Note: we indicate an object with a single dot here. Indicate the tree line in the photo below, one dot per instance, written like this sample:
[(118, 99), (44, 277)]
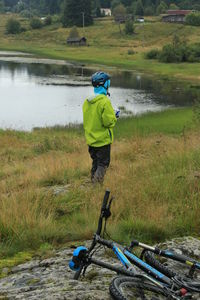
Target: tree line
[(56, 6), (82, 11)]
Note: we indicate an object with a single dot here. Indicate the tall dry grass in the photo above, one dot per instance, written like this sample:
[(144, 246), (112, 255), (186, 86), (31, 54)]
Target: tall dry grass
[(154, 177)]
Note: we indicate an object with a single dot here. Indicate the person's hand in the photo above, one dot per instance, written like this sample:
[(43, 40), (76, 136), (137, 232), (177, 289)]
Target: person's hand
[(117, 113)]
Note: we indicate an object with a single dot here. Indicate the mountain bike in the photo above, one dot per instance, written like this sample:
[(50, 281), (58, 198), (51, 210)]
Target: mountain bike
[(150, 284), (153, 254)]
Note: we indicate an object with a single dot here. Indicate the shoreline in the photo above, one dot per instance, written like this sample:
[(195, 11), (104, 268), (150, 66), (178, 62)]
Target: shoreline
[(44, 58)]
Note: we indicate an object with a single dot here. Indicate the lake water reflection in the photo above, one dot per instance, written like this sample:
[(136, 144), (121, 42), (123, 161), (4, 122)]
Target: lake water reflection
[(39, 95)]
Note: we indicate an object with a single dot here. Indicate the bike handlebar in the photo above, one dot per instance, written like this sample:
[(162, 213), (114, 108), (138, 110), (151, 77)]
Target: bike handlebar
[(100, 222), (103, 208), (105, 200)]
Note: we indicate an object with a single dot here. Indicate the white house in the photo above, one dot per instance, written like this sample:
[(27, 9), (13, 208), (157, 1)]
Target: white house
[(106, 11)]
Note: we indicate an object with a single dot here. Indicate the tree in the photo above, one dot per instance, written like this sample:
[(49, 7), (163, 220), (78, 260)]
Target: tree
[(139, 10), (96, 8), (193, 19), (129, 28), (149, 11), (74, 32), (98, 12), (126, 2), (119, 10), (162, 7), (114, 4), (77, 13), (1, 6), (105, 3), (119, 13), (36, 23), (173, 6), (48, 20)]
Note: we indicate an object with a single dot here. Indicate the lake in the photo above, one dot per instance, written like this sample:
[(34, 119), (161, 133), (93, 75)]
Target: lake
[(41, 93)]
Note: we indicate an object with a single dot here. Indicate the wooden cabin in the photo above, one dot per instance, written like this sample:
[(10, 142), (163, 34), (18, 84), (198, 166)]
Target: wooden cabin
[(78, 41), (176, 16)]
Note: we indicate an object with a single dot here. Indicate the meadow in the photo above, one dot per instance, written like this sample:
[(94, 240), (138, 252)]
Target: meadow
[(154, 176), (106, 45), (155, 167)]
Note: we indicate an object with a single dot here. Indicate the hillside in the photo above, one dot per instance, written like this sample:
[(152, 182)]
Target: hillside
[(106, 45)]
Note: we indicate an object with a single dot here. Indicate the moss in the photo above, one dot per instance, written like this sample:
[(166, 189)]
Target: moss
[(19, 258), (33, 281)]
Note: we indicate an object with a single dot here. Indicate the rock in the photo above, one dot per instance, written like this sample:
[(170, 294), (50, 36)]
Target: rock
[(51, 279)]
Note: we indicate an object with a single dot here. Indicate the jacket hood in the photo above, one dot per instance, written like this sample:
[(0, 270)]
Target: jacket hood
[(94, 98)]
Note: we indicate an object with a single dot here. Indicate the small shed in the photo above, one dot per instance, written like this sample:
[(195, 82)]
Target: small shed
[(176, 16), (78, 41), (123, 18)]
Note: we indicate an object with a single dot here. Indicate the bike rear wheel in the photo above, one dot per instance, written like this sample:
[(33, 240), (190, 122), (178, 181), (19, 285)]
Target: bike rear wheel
[(130, 288), (181, 278)]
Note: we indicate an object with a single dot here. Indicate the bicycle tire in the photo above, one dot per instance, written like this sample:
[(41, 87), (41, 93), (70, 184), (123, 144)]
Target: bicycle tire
[(152, 261), (182, 279), (130, 288)]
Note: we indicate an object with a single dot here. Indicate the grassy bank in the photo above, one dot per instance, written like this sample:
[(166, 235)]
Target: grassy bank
[(107, 46), (154, 176)]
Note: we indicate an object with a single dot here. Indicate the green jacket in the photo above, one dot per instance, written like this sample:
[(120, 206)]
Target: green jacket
[(98, 120)]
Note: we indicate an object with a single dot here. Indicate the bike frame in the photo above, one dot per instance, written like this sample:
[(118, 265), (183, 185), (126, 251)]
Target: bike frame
[(127, 259), (193, 264)]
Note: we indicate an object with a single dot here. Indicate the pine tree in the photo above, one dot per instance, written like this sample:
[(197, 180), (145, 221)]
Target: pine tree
[(139, 11), (1, 6), (77, 13)]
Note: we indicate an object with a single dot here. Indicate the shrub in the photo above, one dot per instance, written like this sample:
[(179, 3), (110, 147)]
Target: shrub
[(131, 52), (13, 26), (36, 23), (169, 54), (129, 28), (26, 13), (152, 54), (73, 32), (56, 19), (180, 53), (193, 19), (48, 21), (177, 51)]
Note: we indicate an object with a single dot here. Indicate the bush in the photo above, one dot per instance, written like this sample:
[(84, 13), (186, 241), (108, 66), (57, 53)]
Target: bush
[(131, 52), (13, 26), (129, 28), (193, 19), (177, 51), (26, 13), (73, 33), (152, 54), (36, 23), (170, 54), (56, 19), (48, 21)]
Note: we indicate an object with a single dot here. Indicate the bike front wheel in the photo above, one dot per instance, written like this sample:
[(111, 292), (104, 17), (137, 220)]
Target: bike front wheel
[(130, 288)]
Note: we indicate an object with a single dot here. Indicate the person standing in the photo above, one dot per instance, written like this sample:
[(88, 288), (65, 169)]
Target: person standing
[(99, 118)]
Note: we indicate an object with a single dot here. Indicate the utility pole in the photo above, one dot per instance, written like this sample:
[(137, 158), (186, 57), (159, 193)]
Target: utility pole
[(83, 14)]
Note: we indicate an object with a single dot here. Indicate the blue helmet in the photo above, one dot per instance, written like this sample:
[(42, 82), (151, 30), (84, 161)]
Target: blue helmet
[(99, 79)]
